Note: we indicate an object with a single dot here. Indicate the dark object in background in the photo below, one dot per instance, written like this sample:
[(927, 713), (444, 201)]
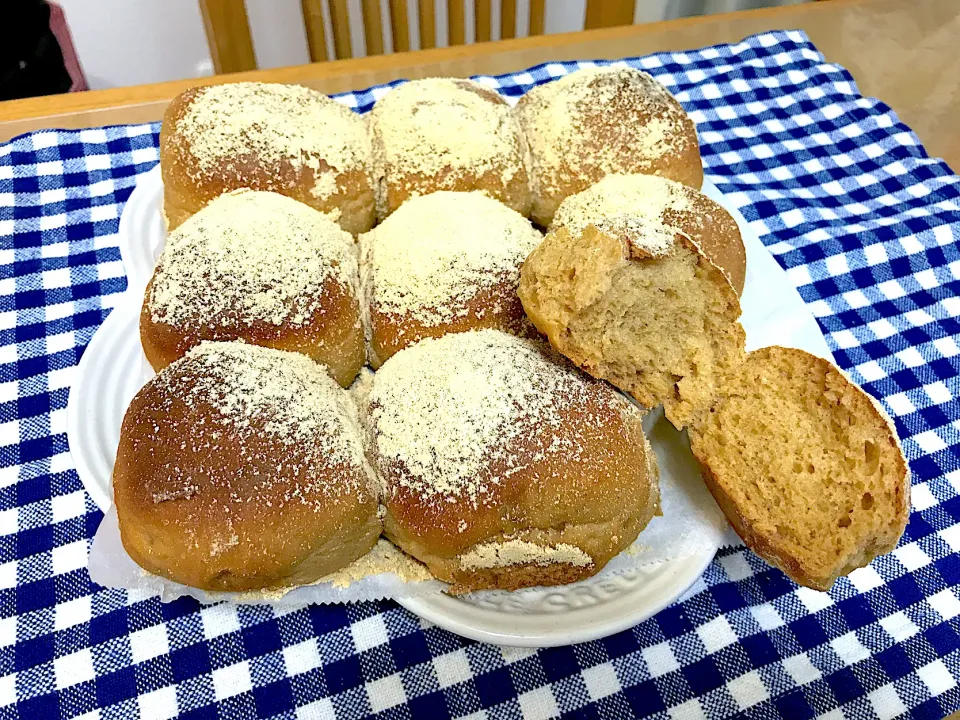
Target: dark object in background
[(31, 61)]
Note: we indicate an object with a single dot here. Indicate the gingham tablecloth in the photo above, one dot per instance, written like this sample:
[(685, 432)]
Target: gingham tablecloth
[(839, 191)]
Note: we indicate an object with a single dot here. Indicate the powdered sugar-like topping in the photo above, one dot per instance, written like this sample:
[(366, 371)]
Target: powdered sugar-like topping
[(251, 257), (436, 252), (442, 125), (445, 412), (275, 123), (645, 197), (645, 237), (520, 552), (572, 121)]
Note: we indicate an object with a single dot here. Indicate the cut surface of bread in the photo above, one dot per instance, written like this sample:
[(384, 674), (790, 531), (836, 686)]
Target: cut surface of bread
[(643, 309), (804, 464)]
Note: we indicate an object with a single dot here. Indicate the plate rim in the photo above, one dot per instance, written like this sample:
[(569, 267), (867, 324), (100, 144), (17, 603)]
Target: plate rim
[(441, 609), (107, 330)]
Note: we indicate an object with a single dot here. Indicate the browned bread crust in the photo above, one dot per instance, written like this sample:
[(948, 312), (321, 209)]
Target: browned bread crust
[(600, 121), (319, 155), (559, 480), (444, 263), (677, 206), (221, 486), (261, 268), (447, 134)]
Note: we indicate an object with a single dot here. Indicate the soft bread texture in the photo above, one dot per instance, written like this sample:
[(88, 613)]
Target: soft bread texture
[(264, 136), (258, 267), (447, 134), (805, 465), (242, 468), (634, 303), (444, 262), (680, 207), (599, 121), (502, 466)]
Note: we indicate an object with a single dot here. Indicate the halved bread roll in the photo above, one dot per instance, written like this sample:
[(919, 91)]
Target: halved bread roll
[(632, 301), (805, 465), (680, 207)]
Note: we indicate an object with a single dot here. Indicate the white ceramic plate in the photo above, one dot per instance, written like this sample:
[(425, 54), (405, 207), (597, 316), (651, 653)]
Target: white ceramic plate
[(142, 231), (113, 368)]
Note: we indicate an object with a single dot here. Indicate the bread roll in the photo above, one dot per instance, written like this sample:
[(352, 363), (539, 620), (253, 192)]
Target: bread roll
[(636, 303), (263, 136), (805, 465), (677, 206), (599, 121), (445, 262), (447, 134), (258, 267), (241, 468), (504, 467)]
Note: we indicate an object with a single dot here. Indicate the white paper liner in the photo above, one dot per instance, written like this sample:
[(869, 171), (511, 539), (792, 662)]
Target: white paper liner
[(773, 314)]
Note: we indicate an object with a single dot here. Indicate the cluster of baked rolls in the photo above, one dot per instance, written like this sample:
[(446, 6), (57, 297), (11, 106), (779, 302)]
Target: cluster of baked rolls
[(306, 241)]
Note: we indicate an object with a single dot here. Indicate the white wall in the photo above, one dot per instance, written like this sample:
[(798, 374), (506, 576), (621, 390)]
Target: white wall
[(128, 42)]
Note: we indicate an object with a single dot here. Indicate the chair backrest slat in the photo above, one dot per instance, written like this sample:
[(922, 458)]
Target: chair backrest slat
[(231, 44), (228, 36), (340, 20), (508, 19), (313, 26), (482, 24), (608, 13), (372, 26), (428, 24), (456, 23), (537, 15), (399, 27)]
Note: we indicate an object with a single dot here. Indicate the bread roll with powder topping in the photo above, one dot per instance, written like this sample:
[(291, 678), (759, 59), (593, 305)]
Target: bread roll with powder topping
[(442, 263), (635, 302), (447, 134), (240, 468), (677, 206), (599, 121), (502, 466), (258, 267), (264, 136)]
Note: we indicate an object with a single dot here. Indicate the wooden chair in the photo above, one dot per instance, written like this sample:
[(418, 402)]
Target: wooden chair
[(231, 45)]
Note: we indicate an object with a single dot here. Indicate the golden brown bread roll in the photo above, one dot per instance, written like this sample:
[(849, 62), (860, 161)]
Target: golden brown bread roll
[(265, 136), (240, 468), (446, 134), (599, 121), (502, 466), (445, 262), (258, 267), (677, 206), (636, 303), (804, 464)]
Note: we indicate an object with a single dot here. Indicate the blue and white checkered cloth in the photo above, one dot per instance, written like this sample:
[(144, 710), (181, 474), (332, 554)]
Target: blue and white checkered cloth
[(838, 190)]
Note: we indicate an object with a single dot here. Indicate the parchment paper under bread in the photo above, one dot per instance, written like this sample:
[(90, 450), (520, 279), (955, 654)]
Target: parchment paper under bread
[(773, 314)]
